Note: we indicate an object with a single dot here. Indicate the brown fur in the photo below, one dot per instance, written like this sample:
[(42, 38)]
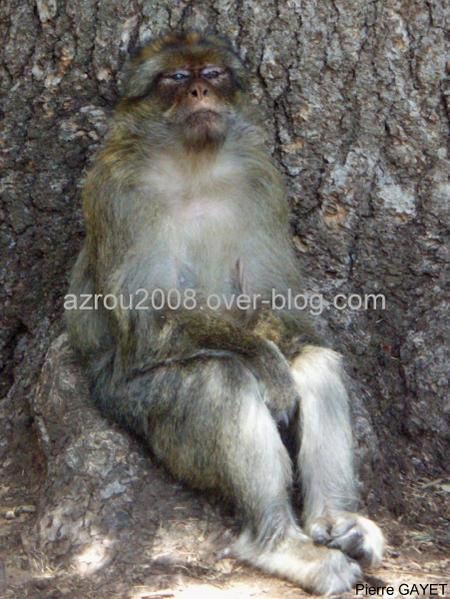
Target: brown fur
[(183, 196)]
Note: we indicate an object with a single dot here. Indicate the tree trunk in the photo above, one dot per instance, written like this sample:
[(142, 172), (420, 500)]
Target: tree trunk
[(354, 100)]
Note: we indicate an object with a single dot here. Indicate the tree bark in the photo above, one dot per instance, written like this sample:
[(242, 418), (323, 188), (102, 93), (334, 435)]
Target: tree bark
[(102, 496)]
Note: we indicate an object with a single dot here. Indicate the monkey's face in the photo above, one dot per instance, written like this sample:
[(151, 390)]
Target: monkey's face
[(197, 98), (191, 84)]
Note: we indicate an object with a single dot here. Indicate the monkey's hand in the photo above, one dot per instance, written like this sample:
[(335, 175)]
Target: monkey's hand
[(290, 331), (355, 535), (213, 334)]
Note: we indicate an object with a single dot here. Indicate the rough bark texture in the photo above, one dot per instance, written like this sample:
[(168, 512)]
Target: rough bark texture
[(354, 100)]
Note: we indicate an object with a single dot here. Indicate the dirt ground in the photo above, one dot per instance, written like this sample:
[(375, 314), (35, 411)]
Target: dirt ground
[(417, 552)]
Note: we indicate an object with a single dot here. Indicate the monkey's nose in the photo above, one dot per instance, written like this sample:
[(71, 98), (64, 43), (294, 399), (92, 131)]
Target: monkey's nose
[(198, 91)]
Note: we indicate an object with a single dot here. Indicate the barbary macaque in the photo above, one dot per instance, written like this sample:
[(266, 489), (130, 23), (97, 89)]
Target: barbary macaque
[(183, 201)]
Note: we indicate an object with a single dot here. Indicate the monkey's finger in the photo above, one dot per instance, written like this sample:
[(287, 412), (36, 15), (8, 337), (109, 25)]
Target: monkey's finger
[(350, 543), (342, 525)]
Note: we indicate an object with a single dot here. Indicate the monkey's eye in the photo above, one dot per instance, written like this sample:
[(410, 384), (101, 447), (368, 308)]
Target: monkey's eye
[(179, 76), (212, 72)]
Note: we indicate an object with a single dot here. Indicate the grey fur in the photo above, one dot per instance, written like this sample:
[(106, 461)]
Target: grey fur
[(206, 389)]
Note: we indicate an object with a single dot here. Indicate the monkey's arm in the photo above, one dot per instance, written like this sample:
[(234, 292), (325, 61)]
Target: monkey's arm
[(273, 272), (183, 336)]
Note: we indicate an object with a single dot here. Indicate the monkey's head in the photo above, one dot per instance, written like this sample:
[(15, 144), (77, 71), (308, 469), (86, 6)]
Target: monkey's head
[(189, 85)]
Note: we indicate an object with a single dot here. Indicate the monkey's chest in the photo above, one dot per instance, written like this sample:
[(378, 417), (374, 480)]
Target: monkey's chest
[(207, 248)]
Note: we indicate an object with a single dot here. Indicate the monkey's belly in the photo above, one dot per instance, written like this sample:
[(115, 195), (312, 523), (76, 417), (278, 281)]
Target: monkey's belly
[(208, 262), (211, 279)]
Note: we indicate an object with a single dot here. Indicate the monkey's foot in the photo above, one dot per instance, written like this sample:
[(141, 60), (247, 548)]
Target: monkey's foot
[(355, 535), (319, 570)]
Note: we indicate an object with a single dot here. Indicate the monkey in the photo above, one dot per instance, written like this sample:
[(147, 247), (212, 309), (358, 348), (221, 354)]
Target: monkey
[(184, 197)]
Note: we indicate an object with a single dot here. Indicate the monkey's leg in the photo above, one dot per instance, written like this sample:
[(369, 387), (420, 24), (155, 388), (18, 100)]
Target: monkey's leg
[(326, 459), (207, 422)]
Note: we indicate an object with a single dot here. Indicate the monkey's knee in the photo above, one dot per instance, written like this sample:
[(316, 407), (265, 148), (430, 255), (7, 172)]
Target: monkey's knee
[(316, 367), (218, 433)]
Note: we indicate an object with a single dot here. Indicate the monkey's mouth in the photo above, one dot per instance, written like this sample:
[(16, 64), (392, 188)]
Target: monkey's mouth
[(204, 127), (202, 116)]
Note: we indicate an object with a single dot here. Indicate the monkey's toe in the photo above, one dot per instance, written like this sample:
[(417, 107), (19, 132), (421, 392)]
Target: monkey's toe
[(339, 575), (320, 570)]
